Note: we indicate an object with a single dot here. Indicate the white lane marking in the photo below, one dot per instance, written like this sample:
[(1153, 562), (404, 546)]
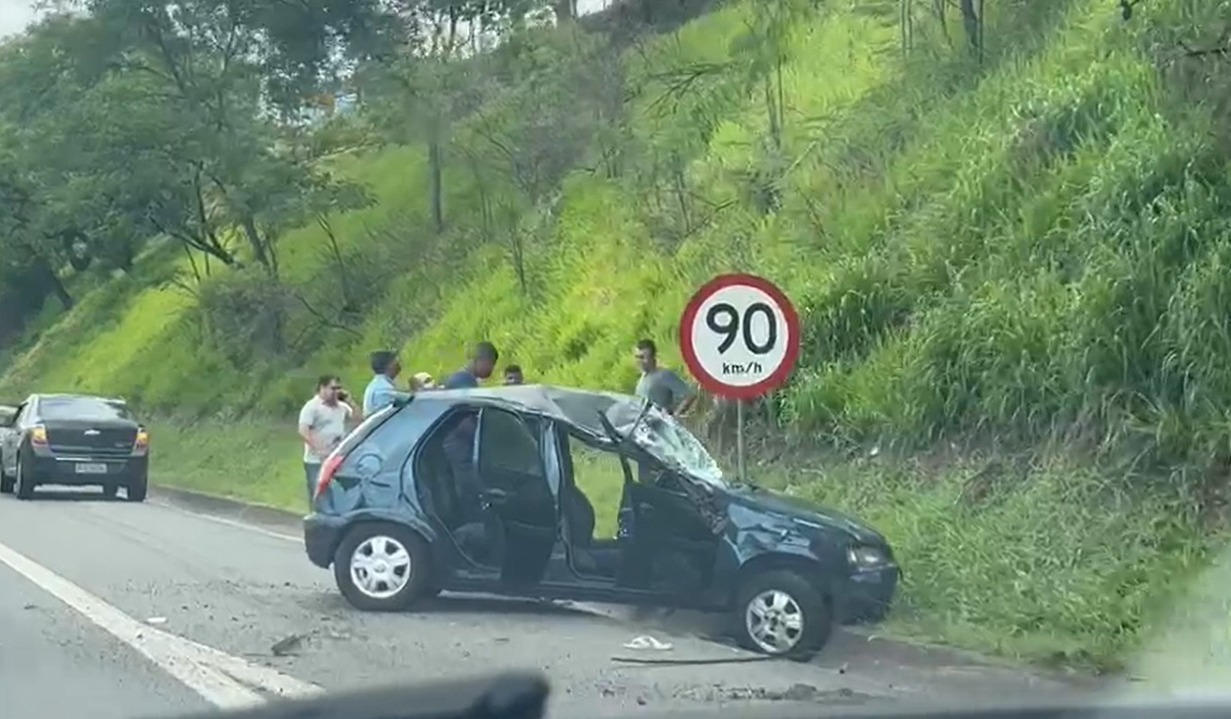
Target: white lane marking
[(218, 677), (231, 522)]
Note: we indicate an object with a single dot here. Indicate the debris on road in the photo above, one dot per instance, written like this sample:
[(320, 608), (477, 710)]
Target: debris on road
[(288, 645), (645, 641), (798, 692)]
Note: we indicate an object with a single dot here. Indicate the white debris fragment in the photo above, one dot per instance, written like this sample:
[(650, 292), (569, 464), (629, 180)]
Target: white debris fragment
[(647, 642)]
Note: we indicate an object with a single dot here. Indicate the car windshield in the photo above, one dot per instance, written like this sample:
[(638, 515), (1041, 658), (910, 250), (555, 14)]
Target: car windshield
[(665, 439)]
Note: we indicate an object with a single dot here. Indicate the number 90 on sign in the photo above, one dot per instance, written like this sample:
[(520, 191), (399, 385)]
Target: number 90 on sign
[(740, 336)]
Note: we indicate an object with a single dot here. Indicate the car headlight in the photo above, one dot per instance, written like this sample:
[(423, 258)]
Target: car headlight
[(866, 557)]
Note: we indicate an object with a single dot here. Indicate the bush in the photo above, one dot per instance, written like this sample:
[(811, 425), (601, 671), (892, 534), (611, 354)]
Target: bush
[(996, 255)]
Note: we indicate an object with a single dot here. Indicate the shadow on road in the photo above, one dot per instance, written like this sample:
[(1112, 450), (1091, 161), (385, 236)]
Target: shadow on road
[(478, 604), (465, 604), (53, 493)]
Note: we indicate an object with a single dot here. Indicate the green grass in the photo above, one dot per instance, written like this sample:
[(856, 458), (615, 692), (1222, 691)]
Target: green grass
[(988, 261)]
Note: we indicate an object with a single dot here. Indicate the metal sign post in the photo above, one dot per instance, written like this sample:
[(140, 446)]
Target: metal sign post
[(740, 338), (739, 441)]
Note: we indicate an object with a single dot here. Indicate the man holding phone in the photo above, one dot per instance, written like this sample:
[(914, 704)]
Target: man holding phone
[(322, 425)]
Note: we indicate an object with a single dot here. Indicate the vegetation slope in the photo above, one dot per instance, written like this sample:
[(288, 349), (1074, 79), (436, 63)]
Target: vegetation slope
[(1011, 271)]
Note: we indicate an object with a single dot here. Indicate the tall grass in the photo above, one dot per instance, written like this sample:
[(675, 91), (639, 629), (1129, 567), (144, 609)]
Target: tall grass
[(1030, 249)]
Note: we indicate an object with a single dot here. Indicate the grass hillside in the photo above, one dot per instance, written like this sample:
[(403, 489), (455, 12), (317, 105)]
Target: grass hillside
[(1012, 276)]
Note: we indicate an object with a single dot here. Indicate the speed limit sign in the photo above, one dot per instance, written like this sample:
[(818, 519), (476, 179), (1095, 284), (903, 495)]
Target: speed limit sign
[(739, 335)]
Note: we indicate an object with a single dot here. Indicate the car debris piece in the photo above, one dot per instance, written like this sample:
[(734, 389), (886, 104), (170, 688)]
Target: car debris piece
[(287, 645), (645, 641)]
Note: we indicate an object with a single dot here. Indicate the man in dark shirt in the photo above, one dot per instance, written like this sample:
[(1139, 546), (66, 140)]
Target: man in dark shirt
[(660, 385), (481, 365)]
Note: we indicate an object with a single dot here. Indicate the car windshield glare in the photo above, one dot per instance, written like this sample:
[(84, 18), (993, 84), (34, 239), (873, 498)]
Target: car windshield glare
[(666, 439)]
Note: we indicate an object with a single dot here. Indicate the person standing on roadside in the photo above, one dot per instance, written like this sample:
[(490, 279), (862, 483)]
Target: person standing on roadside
[(481, 365), (513, 375), (660, 385), (381, 391), (322, 425)]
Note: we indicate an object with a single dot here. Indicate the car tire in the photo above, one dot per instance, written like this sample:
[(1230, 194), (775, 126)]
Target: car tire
[(6, 482), (796, 618), (24, 482), (136, 489), (401, 567)]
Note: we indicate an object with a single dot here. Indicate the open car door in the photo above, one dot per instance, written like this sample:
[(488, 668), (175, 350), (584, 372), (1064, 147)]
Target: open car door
[(669, 526), (515, 489)]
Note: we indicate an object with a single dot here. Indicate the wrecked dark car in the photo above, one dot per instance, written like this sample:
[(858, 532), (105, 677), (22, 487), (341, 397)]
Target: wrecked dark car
[(478, 491)]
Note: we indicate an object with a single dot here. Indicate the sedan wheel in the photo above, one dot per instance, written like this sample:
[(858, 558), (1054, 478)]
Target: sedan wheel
[(6, 480), (25, 482), (782, 614), (382, 567)]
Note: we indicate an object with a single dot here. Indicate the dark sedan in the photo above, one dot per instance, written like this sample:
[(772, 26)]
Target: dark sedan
[(74, 440)]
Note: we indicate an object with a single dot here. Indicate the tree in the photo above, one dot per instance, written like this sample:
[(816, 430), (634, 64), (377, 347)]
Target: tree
[(176, 131), (421, 86), (538, 127)]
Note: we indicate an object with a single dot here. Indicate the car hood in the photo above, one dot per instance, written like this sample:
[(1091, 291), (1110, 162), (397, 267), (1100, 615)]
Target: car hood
[(764, 500)]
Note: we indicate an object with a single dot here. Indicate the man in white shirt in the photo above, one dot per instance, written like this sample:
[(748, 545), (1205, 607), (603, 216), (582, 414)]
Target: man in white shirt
[(322, 425)]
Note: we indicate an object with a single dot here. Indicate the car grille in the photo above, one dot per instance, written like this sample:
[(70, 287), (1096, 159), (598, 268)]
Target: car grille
[(106, 443)]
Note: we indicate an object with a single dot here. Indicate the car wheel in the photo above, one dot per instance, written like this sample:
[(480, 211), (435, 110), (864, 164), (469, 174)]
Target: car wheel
[(382, 567), (138, 488), (782, 614), (24, 481), (6, 482)]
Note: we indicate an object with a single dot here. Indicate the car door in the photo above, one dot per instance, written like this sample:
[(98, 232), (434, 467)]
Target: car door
[(672, 542), (513, 477)]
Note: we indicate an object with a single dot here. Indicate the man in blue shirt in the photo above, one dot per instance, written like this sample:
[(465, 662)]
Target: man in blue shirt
[(381, 391), (481, 365)]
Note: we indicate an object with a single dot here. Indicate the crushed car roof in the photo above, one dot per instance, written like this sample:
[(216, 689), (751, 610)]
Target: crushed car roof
[(578, 407)]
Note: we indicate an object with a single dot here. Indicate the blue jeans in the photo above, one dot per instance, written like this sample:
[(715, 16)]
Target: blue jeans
[(312, 470)]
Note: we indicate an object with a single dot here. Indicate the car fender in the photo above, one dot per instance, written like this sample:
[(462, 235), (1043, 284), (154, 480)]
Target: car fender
[(749, 549), (392, 516)]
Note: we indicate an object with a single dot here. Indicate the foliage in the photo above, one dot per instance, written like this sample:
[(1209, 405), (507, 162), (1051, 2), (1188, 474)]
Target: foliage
[(994, 249)]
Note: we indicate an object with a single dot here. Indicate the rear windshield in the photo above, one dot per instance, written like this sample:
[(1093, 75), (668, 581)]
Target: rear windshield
[(365, 428), (94, 408)]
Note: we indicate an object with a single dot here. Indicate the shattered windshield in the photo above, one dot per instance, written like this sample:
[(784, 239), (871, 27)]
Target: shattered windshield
[(665, 439)]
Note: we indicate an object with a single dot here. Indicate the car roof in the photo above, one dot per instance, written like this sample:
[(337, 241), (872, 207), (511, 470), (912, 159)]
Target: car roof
[(69, 395), (577, 407)]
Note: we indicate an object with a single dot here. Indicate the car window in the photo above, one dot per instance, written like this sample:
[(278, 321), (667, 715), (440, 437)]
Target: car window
[(507, 443), (385, 436), (90, 408)]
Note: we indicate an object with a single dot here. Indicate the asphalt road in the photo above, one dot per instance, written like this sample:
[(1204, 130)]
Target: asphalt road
[(110, 609)]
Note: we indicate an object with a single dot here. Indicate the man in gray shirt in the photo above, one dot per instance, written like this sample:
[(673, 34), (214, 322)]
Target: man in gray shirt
[(659, 384)]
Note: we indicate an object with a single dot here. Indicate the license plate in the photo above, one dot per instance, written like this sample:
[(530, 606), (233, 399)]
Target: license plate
[(91, 469)]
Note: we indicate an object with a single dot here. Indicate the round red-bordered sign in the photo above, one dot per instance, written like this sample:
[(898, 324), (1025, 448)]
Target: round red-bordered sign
[(740, 336)]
